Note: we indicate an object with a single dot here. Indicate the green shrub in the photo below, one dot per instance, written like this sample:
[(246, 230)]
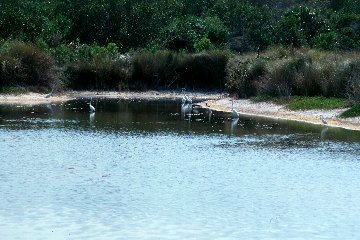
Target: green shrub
[(285, 77), (298, 26), (24, 64), (287, 72), (191, 33), (76, 52), (93, 66), (353, 81), (99, 74), (348, 30), (354, 111), (14, 90), (242, 75), (325, 41), (173, 70), (158, 68), (203, 44), (206, 70)]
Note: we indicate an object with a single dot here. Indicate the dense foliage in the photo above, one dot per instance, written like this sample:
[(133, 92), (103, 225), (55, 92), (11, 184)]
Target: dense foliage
[(194, 25), (287, 72), (135, 44)]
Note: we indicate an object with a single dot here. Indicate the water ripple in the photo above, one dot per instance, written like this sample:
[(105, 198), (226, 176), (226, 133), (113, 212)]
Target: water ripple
[(128, 181)]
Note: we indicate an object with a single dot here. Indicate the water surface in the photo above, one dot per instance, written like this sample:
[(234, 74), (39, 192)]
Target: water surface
[(148, 170)]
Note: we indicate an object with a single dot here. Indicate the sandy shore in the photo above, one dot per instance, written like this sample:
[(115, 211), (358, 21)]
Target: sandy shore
[(37, 98), (274, 111), (216, 101)]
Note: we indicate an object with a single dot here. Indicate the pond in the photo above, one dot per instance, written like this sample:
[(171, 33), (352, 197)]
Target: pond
[(150, 170)]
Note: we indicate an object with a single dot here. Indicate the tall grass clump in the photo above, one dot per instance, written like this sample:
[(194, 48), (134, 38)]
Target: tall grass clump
[(243, 75), (295, 72), (26, 65), (294, 75), (353, 81), (94, 67), (160, 68), (206, 70), (167, 69), (333, 79)]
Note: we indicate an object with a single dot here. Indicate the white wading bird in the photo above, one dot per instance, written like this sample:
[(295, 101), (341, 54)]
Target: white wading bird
[(185, 98), (50, 94), (235, 114), (92, 108)]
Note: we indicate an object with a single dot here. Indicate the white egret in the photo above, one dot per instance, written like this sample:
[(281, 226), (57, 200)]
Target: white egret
[(235, 114), (188, 99), (185, 98), (50, 94), (92, 108)]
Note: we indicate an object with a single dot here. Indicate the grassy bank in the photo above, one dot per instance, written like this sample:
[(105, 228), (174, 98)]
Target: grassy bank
[(297, 103), (354, 111)]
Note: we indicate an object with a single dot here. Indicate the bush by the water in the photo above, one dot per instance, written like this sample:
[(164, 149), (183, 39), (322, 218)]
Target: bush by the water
[(166, 69), (352, 112), (102, 74), (26, 65), (288, 72), (243, 74), (93, 67), (277, 72)]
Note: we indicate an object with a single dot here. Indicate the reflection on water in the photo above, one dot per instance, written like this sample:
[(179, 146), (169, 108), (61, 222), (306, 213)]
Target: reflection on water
[(155, 116), (155, 170), (233, 125)]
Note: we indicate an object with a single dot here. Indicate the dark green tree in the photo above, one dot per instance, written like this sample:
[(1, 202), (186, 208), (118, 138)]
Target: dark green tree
[(298, 26)]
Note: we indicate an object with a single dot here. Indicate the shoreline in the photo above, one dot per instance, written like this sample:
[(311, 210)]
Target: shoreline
[(279, 112), (39, 98), (214, 100)]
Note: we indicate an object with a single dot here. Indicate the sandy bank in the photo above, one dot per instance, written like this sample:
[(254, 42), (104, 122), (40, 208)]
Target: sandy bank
[(274, 111), (37, 98), (216, 101)]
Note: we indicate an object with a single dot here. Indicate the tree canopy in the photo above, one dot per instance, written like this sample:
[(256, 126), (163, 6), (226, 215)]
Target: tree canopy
[(184, 25)]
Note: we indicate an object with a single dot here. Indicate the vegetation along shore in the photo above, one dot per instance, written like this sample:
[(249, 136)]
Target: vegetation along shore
[(300, 54)]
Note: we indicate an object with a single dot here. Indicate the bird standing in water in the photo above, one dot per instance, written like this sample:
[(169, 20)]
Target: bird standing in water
[(92, 108), (185, 98), (235, 114), (50, 94)]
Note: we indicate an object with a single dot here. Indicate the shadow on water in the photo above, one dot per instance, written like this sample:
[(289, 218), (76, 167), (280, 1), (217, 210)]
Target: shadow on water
[(163, 117)]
